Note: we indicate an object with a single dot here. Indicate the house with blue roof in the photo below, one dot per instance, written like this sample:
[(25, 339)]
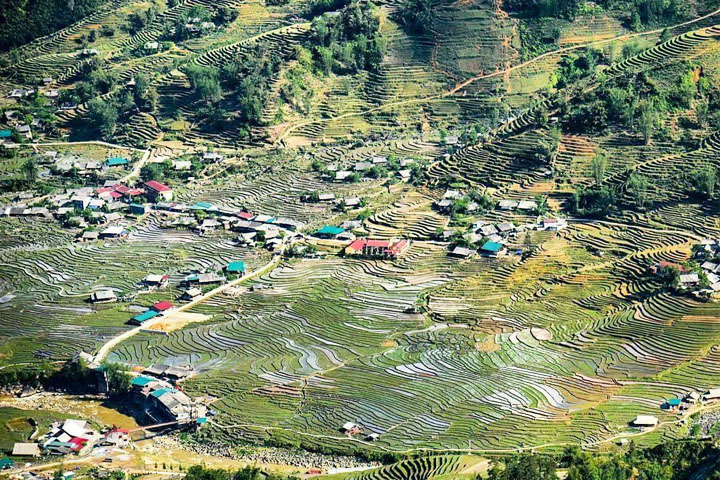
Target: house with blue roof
[(141, 381), (117, 162), (5, 133), (493, 250), (235, 267), (329, 231), (203, 206), (143, 317)]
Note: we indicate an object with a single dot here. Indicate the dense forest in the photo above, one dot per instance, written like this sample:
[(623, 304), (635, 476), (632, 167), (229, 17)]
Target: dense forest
[(25, 20), (669, 461)]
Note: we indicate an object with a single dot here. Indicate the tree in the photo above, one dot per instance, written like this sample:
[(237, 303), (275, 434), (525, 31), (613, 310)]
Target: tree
[(648, 120), (525, 467), (549, 148), (117, 378), (703, 180), (103, 116), (30, 171), (702, 111), (598, 165), (417, 15), (638, 186)]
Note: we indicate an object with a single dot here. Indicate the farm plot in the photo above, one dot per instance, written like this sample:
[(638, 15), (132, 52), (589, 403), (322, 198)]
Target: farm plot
[(47, 284), (510, 359)]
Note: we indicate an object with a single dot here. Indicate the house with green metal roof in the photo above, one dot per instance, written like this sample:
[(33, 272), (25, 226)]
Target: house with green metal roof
[(329, 231), (117, 162), (235, 267), (143, 317), (141, 381), (493, 249), (6, 463), (202, 206), (5, 133), (162, 391)]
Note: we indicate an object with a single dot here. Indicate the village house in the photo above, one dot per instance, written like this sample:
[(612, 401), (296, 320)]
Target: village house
[(204, 279), (181, 165), (326, 197), (117, 437), (487, 230), (212, 157), (26, 450), (351, 428), (157, 281), (157, 191), (162, 306), (462, 252), (493, 250), (235, 267), (289, 224), (90, 235), (343, 175), (366, 247), (72, 436), (507, 204), (505, 228), (711, 395), (362, 166), (103, 296), (526, 205), (351, 202), (191, 294), (116, 162), (689, 280), (329, 231), (143, 317), (645, 421), (113, 232), (553, 224)]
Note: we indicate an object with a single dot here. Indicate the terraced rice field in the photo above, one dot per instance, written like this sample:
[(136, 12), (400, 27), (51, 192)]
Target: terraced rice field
[(562, 345)]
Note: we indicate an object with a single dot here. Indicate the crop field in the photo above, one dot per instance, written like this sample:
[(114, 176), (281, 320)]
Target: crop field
[(564, 340)]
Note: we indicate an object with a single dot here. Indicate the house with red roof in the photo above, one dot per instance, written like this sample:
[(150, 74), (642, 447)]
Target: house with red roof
[(157, 190), (117, 436), (366, 247), (162, 306)]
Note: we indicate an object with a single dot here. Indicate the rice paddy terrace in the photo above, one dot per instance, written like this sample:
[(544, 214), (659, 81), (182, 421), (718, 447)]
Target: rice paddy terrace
[(563, 344)]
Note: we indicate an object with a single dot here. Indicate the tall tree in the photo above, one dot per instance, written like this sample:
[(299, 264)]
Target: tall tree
[(598, 165)]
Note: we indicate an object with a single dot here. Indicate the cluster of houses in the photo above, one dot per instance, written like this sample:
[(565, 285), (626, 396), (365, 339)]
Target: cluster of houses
[(360, 169), (193, 284), (491, 239), (702, 279), (678, 405), (352, 429), (166, 402), (198, 26), (708, 255), (157, 309), (70, 436), (106, 205), (16, 124)]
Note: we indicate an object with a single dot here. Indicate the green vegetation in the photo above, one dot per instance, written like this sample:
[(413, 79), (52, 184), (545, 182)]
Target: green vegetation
[(25, 20), (198, 472), (668, 461), (348, 42)]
